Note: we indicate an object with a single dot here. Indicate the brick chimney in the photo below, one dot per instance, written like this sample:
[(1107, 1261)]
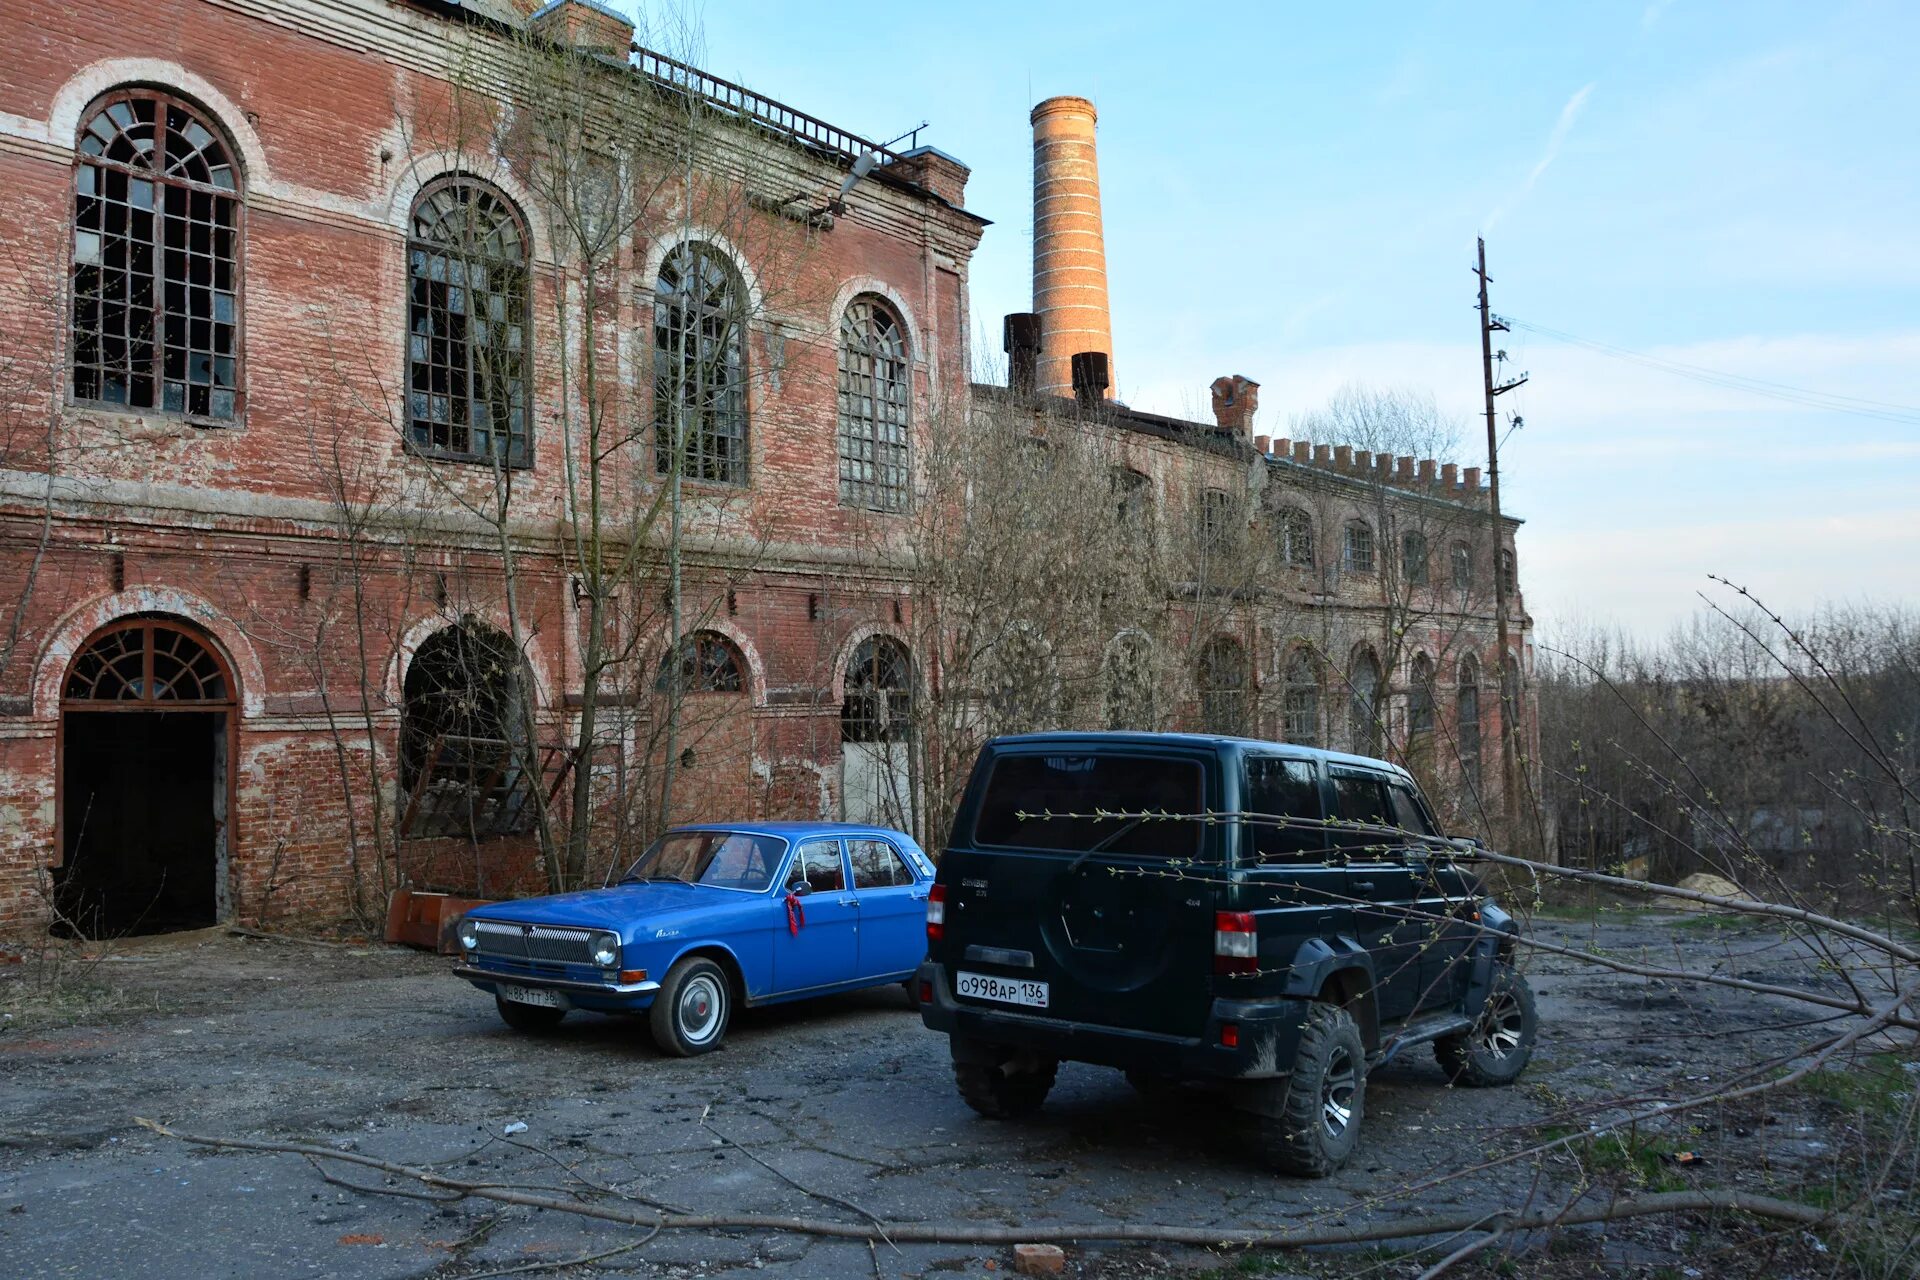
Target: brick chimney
[(584, 25), (1069, 247), (1234, 400)]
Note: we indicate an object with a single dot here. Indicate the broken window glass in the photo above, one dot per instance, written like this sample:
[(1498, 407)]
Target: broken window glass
[(155, 269), (875, 382), (468, 314)]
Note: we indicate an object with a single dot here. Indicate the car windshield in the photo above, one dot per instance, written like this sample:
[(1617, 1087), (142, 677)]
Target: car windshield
[(722, 859)]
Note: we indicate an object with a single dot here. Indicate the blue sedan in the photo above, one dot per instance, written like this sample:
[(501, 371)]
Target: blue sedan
[(710, 917)]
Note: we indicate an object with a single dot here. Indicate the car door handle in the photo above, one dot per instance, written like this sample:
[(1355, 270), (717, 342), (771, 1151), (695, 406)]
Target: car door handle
[(1365, 886), (849, 902)]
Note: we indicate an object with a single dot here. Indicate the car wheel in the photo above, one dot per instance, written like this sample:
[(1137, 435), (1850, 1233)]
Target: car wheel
[(690, 1013), (1007, 1090), (531, 1018), (1316, 1125), (1500, 1044), (912, 987)]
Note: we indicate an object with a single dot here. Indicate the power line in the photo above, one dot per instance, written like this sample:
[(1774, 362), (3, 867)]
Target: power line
[(1806, 397)]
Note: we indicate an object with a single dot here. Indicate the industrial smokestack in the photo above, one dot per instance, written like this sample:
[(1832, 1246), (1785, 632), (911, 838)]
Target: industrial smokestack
[(1069, 247)]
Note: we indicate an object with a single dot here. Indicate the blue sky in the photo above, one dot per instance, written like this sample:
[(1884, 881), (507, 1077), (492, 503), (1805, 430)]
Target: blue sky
[(1292, 192)]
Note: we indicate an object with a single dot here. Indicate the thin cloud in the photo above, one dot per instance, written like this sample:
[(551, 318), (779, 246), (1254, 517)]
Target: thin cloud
[(1555, 140), (1653, 13)]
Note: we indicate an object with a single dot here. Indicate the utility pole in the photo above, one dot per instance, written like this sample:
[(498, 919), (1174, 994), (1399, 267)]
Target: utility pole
[(1509, 680)]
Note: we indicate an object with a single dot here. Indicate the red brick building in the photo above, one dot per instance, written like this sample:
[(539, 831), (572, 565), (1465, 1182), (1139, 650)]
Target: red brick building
[(295, 591)]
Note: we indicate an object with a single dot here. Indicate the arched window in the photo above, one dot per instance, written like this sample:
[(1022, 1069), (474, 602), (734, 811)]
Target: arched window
[(1413, 559), (1222, 676), (1295, 528), (1466, 728), (469, 314), (463, 732), (146, 660), (1129, 683), (1420, 698), (1363, 705), (699, 367), (707, 663), (1302, 707), (879, 700), (875, 386), (1462, 568), (156, 260), (1359, 554)]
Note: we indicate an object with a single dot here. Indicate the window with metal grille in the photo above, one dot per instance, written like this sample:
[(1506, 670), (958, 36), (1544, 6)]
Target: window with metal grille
[(1359, 549), (157, 216), (1222, 677), (1363, 706), (1302, 700), (1216, 519), (879, 699), (1413, 558), (699, 367), (1420, 697), (469, 312), (875, 384), (1466, 726), (708, 663), (1295, 528), (1462, 567)]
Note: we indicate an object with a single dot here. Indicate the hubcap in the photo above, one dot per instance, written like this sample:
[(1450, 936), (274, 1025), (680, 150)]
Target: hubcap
[(701, 1004), (1501, 1025), (1337, 1087)]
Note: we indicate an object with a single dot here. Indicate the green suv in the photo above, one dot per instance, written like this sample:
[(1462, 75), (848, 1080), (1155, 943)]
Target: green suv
[(1271, 918)]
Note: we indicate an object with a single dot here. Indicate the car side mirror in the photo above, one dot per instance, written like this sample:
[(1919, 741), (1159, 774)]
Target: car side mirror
[(800, 890)]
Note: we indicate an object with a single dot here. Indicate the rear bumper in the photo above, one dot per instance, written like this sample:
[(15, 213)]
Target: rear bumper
[(601, 997), (1268, 1034)]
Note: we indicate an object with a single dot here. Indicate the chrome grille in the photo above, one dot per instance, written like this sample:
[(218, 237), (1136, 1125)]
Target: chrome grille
[(535, 942)]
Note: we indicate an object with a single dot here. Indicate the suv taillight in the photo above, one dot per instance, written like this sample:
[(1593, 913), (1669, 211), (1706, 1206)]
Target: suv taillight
[(936, 912), (1236, 942)]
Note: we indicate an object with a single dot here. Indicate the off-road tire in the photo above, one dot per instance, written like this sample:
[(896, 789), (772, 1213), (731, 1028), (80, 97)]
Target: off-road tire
[(531, 1019), (1500, 1044), (690, 1013), (1001, 1092), (1322, 1102)]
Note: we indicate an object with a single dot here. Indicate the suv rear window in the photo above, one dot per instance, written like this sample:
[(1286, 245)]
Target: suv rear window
[(1087, 784)]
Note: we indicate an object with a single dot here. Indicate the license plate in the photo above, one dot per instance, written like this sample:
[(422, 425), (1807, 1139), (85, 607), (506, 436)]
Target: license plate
[(530, 995), (981, 986)]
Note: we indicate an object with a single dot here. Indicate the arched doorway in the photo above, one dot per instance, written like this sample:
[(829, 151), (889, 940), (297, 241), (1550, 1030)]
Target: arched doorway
[(146, 746), (876, 735)]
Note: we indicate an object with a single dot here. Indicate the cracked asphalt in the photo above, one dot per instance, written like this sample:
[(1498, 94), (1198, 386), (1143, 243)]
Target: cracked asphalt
[(829, 1109)]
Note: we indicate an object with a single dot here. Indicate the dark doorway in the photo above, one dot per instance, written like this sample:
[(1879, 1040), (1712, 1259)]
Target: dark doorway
[(145, 737), (140, 831)]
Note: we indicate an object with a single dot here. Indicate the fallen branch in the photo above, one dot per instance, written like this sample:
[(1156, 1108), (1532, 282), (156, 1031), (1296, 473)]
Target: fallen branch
[(961, 1233)]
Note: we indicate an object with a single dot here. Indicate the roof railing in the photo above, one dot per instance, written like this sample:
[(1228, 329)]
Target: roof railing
[(738, 100)]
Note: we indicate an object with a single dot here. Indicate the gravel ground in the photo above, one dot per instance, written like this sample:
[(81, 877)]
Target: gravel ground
[(811, 1109)]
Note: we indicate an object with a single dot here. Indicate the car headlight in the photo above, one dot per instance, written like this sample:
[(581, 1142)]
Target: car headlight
[(606, 950), (469, 935)]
